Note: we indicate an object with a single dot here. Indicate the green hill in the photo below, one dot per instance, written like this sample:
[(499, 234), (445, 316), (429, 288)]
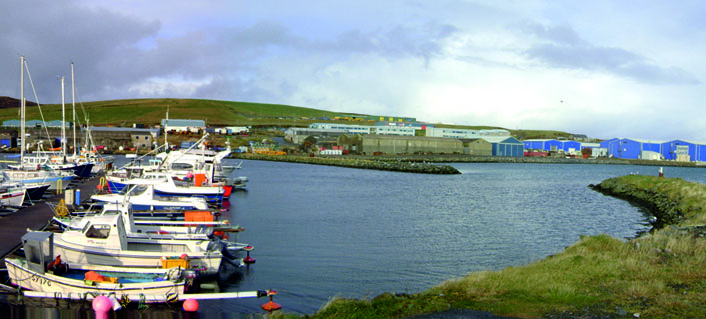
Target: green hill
[(152, 111), (214, 112)]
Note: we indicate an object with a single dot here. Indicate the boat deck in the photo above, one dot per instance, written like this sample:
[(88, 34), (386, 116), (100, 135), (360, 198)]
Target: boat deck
[(15, 224)]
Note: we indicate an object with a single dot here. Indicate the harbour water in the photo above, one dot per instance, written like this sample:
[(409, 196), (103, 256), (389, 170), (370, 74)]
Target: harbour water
[(321, 232)]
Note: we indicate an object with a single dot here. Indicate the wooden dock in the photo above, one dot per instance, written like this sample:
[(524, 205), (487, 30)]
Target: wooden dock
[(14, 225)]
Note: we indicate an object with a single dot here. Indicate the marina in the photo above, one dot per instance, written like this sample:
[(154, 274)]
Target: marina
[(51, 253)]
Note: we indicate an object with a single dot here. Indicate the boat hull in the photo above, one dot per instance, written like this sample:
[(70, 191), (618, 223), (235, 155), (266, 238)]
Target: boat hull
[(24, 277), (209, 262)]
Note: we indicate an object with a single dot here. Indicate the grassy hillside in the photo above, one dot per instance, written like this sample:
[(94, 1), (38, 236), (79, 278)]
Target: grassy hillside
[(214, 112), (152, 111)]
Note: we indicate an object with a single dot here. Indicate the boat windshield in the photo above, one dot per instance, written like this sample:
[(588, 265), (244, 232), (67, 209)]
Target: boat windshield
[(182, 166), (138, 190), (98, 231)]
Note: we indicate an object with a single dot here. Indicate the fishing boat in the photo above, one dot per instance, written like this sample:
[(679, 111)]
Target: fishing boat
[(142, 197), (103, 240), (149, 229), (12, 197), (167, 185), (43, 274), (33, 191)]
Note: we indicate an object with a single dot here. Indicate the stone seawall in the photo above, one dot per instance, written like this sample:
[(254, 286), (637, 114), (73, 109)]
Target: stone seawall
[(662, 197), (396, 165)]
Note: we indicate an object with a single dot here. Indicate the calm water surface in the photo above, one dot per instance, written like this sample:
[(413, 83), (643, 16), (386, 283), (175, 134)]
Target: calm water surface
[(321, 231)]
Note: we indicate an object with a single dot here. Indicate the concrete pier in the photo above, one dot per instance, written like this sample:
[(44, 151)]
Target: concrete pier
[(14, 225)]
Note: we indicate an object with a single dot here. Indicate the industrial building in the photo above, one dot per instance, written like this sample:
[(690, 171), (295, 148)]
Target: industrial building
[(394, 130), (348, 128), (391, 144), (505, 146), (37, 123), (114, 137), (568, 146), (635, 148), (464, 133), (177, 125), (477, 147), (297, 135)]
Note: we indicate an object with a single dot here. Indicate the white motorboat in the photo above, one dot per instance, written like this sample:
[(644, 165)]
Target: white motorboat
[(143, 197), (103, 240)]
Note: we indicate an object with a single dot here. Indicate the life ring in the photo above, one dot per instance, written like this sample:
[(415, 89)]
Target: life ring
[(61, 209)]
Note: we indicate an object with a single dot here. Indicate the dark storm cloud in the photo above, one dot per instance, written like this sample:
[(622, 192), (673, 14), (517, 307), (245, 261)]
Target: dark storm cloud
[(561, 47)]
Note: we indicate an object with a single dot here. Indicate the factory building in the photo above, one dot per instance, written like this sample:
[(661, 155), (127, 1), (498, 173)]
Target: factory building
[(393, 130), (477, 147), (176, 125), (464, 133), (349, 129), (391, 144), (416, 125), (634, 148), (679, 150), (506, 146), (297, 135)]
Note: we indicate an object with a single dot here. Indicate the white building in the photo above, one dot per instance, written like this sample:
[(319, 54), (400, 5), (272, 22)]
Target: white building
[(394, 130), (349, 129)]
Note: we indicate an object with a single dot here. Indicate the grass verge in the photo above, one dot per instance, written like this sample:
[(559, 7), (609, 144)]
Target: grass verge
[(657, 275)]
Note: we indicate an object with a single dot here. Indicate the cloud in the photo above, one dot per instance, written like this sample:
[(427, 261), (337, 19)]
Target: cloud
[(561, 47)]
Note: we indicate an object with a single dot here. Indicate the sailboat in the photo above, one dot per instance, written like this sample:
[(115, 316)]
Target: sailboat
[(58, 159), (87, 155), (33, 173)]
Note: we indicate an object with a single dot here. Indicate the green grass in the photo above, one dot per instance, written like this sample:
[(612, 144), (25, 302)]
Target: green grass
[(152, 111), (214, 112), (658, 275)]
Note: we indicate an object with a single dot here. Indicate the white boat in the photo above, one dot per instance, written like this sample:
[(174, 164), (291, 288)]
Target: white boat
[(40, 271), (57, 180), (103, 241), (12, 197), (155, 230), (33, 192), (143, 197), (42, 275), (166, 185)]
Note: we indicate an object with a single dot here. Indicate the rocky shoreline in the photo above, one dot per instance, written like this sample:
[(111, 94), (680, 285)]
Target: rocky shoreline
[(665, 206), (398, 165), (435, 164)]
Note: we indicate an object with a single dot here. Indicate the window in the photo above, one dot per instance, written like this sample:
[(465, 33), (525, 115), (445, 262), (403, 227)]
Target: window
[(98, 231)]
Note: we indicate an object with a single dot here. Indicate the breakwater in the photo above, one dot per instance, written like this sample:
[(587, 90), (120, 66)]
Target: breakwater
[(383, 164), (669, 200)]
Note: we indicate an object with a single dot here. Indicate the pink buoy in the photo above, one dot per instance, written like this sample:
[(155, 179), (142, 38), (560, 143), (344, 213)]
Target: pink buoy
[(101, 305), (191, 305)]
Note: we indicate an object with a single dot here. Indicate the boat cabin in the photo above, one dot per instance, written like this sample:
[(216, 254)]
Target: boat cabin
[(107, 231), (39, 250)]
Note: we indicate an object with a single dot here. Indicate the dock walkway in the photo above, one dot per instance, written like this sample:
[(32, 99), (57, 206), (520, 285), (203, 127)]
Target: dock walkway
[(14, 225)]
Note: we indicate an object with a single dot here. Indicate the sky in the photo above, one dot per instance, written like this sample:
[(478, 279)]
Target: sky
[(627, 69)]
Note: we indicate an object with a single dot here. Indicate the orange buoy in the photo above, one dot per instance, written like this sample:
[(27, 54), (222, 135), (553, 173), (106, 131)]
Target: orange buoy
[(191, 305), (271, 306)]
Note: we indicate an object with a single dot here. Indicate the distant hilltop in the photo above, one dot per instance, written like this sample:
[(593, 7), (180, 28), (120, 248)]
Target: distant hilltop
[(216, 113), (7, 102)]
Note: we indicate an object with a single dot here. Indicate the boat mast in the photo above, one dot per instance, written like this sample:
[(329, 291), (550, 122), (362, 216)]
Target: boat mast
[(73, 105), (22, 110), (166, 124), (63, 120)]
